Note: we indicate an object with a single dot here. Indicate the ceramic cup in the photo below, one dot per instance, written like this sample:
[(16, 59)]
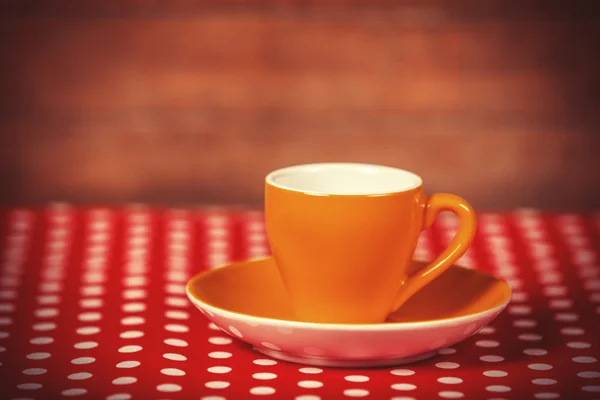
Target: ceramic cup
[(343, 236)]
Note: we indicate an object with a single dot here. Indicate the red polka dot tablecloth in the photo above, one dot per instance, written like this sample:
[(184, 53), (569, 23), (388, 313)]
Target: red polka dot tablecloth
[(92, 305)]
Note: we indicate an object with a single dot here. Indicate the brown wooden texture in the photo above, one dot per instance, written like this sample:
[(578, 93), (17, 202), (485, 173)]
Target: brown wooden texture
[(189, 102)]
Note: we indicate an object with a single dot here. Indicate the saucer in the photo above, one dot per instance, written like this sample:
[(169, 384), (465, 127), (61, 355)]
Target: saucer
[(248, 301)]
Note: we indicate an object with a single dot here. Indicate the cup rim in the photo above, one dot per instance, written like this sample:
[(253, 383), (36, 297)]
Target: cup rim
[(271, 177)]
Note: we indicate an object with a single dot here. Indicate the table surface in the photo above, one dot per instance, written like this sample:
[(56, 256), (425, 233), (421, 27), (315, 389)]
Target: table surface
[(92, 305)]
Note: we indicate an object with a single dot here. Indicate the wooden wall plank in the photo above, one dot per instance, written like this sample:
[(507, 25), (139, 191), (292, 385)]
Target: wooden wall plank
[(188, 102)]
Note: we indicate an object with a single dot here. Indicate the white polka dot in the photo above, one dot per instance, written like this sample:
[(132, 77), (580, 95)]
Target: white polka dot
[(219, 340), (450, 380), (168, 387), (591, 388), (53, 274), (307, 397), (524, 323), (35, 371), (219, 370), (8, 294), (550, 277), (96, 263), (74, 392), (403, 386), (585, 360), (7, 307), (546, 395), (540, 367), (450, 394), (177, 314), (172, 372), (136, 241), (589, 374), (543, 381), (487, 343), (566, 317), (495, 373), (85, 345), (535, 352), (447, 365), (44, 326), (37, 356), (131, 334), (124, 380), (133, 320), (219, 354), (560, 304), (128, 364), (4, 335), (356, 392), (78, 376), (90, 316), (520, 310), (94, 277), (515, 283), (262, 390), (94, 290), (447, 350), (310, 384), (491, 358), (119, 396), (46, 312), (271, 346), (487, 330), (176, 276), (579, 345), (133, 281), (88, 330), (91, 303), (402, 372), (175, 288), (264, 375), (588, 272), (356, 378), (264, 362), (235, 331), (176, 328), (177, 302), (529, 337), (497, 388), (573, 331), (217, 385), (50, 287), (555, 290), (83, 360), (176, 342), (174, 357), (592, 285), (41, 340), (211, 325), (133, 294), (130, 349), (29, 386), (133, 307)]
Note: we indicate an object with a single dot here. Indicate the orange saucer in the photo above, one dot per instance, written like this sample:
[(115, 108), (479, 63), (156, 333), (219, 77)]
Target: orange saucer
[(248, 301)]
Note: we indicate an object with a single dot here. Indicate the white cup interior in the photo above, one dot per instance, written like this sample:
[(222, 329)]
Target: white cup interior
[(344, 179)]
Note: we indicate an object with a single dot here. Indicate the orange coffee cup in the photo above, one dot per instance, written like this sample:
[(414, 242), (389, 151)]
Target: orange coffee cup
[(343, 237)]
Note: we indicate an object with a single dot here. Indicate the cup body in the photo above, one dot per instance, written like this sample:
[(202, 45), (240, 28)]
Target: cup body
[(343, 236)]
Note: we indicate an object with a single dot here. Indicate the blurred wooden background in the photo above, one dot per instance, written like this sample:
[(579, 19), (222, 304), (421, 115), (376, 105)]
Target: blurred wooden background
[(187, 102)]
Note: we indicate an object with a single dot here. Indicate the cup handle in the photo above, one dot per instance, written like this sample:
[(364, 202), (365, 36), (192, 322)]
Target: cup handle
[(433, 205)]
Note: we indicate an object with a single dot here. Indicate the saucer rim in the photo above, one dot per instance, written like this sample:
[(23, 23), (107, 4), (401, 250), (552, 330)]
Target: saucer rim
[(383, 326)]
